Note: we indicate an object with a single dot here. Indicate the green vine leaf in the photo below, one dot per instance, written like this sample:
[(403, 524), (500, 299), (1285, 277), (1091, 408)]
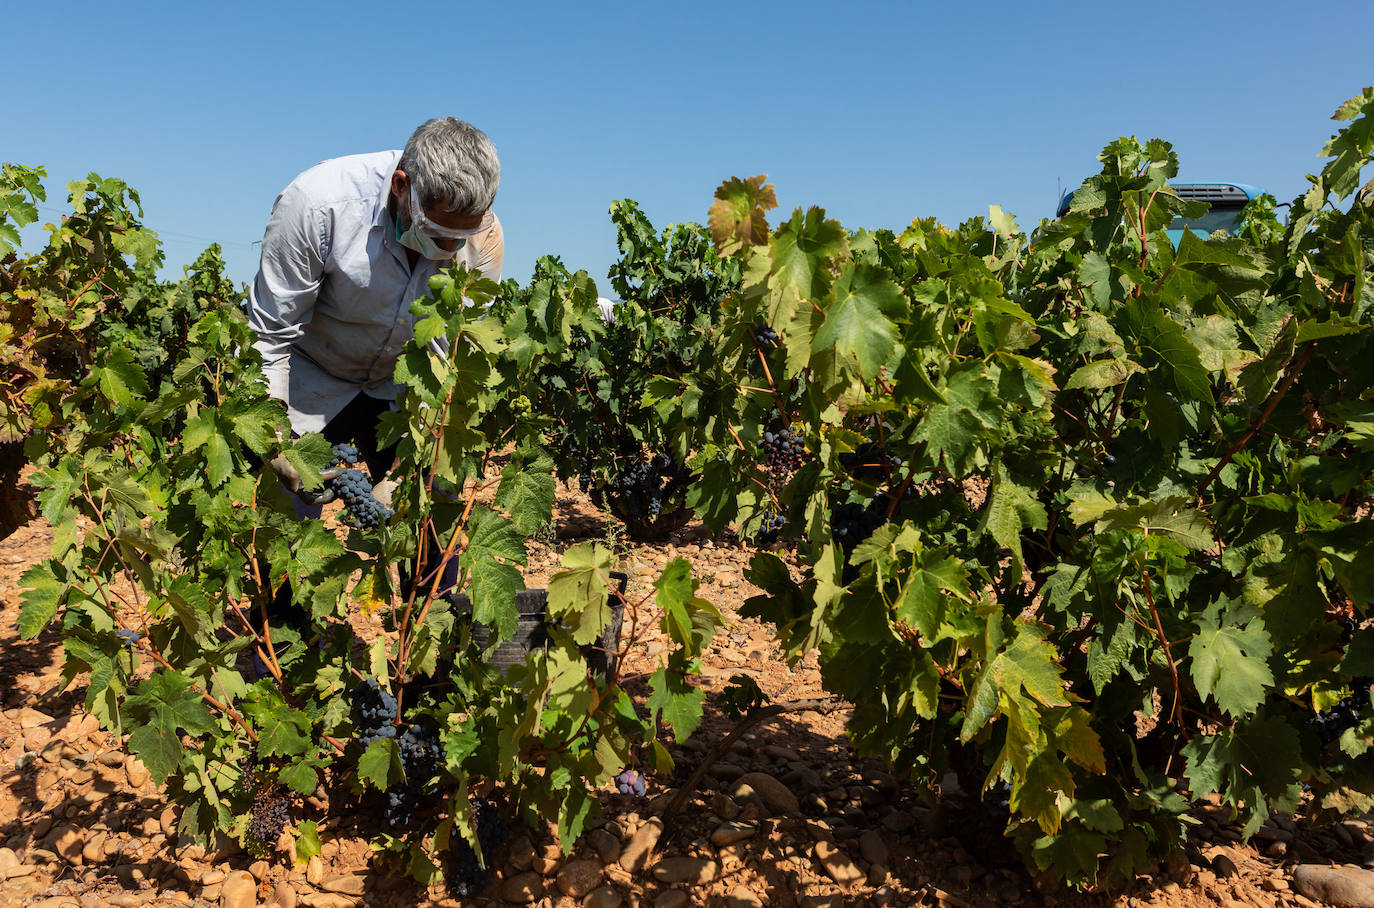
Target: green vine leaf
[(1230, 655)]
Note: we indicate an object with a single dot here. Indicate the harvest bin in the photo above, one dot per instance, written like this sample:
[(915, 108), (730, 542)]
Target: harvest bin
[(532, 630)]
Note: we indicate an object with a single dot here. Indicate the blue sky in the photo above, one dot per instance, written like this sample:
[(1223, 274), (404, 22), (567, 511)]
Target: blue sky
[(877, 112)]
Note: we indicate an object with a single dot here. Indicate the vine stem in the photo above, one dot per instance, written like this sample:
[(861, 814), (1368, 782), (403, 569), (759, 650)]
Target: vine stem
[(753, 717), (1292, 376), (777, 395), (1164, 642)]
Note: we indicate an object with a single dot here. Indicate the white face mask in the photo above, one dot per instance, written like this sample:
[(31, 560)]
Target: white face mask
[(417, 236)]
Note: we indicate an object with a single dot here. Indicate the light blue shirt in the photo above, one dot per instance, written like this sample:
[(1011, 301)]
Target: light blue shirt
[(331, 301)]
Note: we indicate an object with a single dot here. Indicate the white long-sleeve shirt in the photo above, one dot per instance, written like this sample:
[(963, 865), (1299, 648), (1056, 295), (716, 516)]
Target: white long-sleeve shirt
[(331, 301)]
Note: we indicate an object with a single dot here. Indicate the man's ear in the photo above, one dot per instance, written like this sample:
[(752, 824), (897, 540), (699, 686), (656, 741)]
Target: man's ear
[(400, 184)]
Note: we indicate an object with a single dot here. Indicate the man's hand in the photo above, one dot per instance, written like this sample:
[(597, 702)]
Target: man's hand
[(291, 481)]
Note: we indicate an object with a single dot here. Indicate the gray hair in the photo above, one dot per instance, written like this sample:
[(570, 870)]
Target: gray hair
[(453, 166)]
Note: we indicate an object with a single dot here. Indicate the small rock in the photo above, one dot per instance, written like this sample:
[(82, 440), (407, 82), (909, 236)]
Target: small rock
[(240, 890), (259, 869), (671, 898), (730, 833), (578, 878), (522, 853), (774, 795), (605, 897), (1346, 887), (636, 853), (685, 870), (68, 842), (32, 719), (168, 820), (606, 846), (346, 885), (284, 895), (328, 900), (8, 859), (838, 864), (18, 870), (882, 781), (778, 752), (1275, 884), (523, 888), (95, 848), (212, 876), (135, 772), (741, 897), (832, 900), (898, 821), (314, 871), (873, 848), (725, 806), (1224, 865)]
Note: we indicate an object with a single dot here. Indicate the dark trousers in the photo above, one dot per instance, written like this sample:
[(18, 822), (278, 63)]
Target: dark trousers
[(356, 424)]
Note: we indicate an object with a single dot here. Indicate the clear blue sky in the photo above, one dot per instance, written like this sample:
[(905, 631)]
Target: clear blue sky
[(878, 112)]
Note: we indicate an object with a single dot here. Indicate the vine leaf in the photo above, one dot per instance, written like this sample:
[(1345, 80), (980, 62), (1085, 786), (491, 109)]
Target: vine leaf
[(738, 216), (674, 701), (1229, 658), (801, 251), (933, 576), (857, 326), (43, 593), (494, 549), (1256, 765), (380, 764), (526, 491), (1011, 507), (307, 841), (169, 707), (119, 377), (577, 594), (677, 597)]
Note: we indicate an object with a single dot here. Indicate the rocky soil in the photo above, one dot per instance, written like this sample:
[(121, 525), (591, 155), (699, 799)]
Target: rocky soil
[(790, 816)]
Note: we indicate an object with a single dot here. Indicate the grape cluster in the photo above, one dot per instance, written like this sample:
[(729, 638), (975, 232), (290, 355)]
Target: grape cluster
[(352, 487), (585, 478), (643, 485), (374, 712), (421, 754), (469, 876), (784, 450), (773, 523), (346, 454), (869, 461), (765, 336), (1346, 714), (270, 814), (630, 782), (127, 638), (851, 523)]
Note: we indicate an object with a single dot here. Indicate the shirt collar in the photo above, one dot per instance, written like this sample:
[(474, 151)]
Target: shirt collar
[(380, 216)]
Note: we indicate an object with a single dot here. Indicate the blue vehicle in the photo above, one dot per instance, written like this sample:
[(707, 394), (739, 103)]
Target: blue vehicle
[(1226, 199)]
